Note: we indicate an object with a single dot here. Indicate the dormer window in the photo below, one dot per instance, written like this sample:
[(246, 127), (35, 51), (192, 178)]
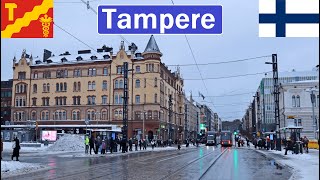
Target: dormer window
[(106, 57), (64, 59), (79, 58), (93, 57)]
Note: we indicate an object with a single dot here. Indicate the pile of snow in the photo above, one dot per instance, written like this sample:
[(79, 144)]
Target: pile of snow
[(305, 166), (68, 142), (9, 168)]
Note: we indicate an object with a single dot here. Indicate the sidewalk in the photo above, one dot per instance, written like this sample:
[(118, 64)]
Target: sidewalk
[(303, 166), (119, 153)]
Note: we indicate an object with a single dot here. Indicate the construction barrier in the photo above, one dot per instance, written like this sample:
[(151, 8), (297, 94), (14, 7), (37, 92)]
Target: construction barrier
[(313, 144)]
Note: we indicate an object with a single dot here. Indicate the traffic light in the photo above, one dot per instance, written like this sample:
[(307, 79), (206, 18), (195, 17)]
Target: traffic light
[(235, 133)]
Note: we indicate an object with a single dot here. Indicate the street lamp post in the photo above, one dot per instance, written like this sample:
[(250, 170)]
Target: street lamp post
[(313, 100)]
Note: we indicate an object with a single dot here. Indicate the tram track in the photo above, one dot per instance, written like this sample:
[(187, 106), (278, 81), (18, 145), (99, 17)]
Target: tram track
[(177, 171)]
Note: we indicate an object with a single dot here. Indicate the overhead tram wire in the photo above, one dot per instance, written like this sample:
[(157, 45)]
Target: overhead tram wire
[(221, 62), (93, 10), (225, 77)]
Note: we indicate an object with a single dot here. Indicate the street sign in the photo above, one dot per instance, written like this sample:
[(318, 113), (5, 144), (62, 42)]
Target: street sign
[(87, 121)]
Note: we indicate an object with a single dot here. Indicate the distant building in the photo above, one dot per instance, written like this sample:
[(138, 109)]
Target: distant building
[(266, 99), (191, 118), (295, 106), (6, 98), (231, 125), (206, 118)]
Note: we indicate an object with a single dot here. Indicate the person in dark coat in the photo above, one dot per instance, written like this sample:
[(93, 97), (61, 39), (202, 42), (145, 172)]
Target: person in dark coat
[(130, 144), (136, 144), (16, 149), (91, 143), (111, 145)]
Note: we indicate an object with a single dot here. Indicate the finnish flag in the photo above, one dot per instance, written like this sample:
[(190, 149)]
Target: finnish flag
[(288, 18)]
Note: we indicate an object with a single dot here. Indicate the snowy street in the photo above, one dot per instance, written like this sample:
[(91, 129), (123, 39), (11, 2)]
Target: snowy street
[(66, 160), (168, 163)]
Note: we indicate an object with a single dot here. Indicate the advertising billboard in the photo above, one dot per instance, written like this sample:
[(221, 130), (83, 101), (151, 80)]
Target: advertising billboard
[(49, 135)]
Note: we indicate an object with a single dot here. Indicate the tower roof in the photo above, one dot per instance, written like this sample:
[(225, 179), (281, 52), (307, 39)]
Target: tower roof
[(152, 46)]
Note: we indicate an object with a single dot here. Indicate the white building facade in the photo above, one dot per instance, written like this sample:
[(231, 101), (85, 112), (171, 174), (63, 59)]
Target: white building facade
[(266, 98), (295, 106)]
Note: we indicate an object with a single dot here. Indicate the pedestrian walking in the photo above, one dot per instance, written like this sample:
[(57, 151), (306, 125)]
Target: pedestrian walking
[(144, 144), (179, 144), (16, 149), (112, 144), (91, 144), (86, 142), (103, 147), (152, 144), (140, 144), (136, 144), (1, 146), (130, 144), (306, 143)]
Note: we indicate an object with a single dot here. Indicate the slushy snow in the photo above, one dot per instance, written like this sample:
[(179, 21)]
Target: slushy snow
[(68, 142), (9, 168)]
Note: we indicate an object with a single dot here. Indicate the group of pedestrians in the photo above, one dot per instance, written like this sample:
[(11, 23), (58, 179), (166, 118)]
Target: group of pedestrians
[(100, 145)]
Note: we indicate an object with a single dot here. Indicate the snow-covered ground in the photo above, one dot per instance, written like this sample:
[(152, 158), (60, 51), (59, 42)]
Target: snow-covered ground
[(7, 147), (9, 168), (304, 166)]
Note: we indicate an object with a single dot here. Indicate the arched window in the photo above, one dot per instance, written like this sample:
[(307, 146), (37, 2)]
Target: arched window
[(65, 86), (149, 114), (298, 101), (116, 114), (45, 115), (48, 87), (79, 86), (116, 84), (155, 114), (91, 114), (120, 114), (120, 99), (104, 114), (35, 88), (57, 87), (155, 82), (33, 115), (137, 83), (75, 86), (93, 85), (155, 98), (293, 101), (44, 87), (89, 85), (137, 115), (76, 115)]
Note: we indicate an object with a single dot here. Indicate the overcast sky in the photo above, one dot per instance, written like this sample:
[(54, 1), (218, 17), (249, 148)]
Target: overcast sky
[(239, 41)]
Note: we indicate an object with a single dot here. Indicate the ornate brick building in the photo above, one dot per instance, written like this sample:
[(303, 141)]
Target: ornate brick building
[(68, 89)]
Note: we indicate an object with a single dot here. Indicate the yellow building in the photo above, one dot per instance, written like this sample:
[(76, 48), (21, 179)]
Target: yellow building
[(68, 89)]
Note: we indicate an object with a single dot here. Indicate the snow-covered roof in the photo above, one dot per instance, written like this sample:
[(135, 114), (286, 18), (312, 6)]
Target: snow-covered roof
[(72, 59), (294, 74)]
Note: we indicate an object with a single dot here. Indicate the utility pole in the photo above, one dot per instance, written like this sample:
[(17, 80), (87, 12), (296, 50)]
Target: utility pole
[(125, 104), (185, 122), (170, 119), (276, 97)]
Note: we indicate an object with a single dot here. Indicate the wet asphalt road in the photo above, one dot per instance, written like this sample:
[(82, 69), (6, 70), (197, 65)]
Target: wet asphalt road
[(192, 163)]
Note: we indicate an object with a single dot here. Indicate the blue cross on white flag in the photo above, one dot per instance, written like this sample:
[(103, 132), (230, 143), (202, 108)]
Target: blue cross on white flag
[(288, 18)]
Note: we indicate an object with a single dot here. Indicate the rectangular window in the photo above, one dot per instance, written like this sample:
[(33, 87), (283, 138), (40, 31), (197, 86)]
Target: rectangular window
[(34, 101), (138, 99), (137, 69), (104, 99), (21, 75), (105, 71)]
